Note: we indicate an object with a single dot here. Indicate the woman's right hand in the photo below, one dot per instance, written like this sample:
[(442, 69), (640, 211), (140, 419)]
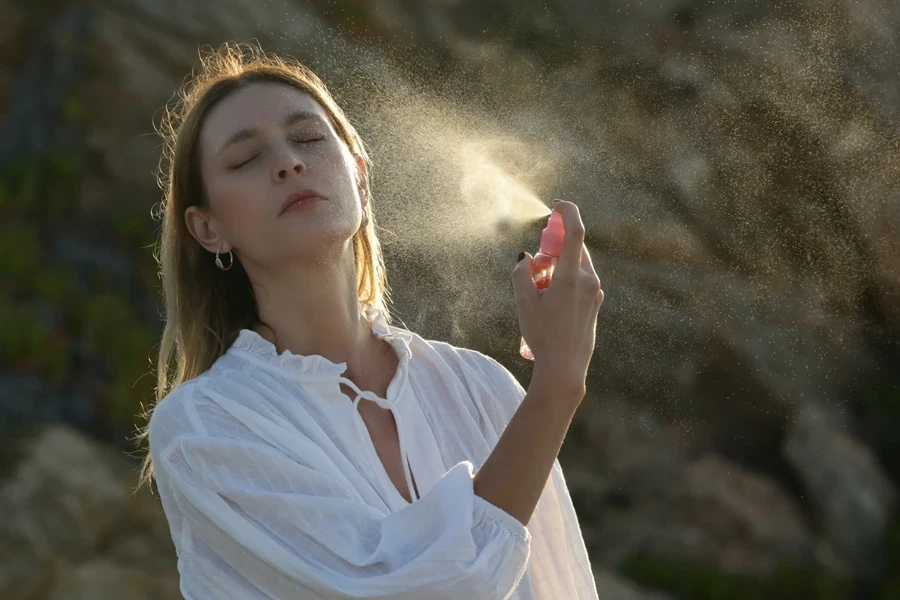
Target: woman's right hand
[(559, 323)]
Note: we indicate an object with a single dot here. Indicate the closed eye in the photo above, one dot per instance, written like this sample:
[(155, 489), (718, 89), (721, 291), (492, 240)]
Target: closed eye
[(252, 158), (299, 141)]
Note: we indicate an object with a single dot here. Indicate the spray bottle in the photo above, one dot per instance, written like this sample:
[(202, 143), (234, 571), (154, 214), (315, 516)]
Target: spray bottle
[(544, 262)]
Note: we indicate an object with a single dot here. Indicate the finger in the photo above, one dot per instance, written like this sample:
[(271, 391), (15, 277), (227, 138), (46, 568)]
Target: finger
[(523, 283), (570, 258), (587, 265)]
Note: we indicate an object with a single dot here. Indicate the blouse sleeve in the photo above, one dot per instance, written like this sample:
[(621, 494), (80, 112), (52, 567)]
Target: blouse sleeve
[(293, 529), (559, 563)]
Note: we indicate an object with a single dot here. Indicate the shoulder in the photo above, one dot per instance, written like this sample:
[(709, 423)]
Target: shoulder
[(484, 377), (459, 357), (488, 381), (174, 416), (188, 411), (221, 407), (475, 363), (441, 353)]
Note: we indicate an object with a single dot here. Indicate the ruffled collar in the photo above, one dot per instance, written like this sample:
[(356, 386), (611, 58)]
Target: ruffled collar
[(313, 366)]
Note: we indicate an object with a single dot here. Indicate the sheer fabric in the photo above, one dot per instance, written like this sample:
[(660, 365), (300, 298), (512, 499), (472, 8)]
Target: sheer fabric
[(273, 489)]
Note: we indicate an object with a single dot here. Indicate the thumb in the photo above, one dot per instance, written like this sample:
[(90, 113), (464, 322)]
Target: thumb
[(523, 284)]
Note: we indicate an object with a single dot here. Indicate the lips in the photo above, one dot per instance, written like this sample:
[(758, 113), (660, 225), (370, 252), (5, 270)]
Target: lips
[(296, 197)]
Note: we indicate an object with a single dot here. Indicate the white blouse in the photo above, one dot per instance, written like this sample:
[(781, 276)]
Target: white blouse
[(273, 489)]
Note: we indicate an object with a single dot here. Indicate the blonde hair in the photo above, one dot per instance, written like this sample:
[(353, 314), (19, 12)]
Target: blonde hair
[(200, 325)]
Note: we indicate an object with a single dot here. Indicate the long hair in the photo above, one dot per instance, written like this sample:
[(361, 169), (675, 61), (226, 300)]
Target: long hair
[(205, 308)]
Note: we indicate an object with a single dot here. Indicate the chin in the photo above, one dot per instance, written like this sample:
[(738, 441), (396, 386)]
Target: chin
[(315, 233)]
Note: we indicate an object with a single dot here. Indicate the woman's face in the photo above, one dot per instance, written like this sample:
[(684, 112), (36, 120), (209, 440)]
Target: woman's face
[(257, 147)]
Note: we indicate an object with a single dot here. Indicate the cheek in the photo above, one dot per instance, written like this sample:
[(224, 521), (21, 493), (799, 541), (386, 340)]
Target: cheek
[(341, 172), (239, 205)]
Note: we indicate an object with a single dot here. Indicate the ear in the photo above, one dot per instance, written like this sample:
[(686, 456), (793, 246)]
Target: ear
[(203, 229), (362, 179)]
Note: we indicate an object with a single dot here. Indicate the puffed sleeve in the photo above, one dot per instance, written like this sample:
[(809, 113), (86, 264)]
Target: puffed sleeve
[(293, 528), (559, 564)]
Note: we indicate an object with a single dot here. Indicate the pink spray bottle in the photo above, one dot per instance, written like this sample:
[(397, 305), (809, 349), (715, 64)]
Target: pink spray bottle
[(544, 262)]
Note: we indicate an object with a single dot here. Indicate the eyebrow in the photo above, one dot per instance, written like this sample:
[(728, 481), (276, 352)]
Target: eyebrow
[(290, 119)]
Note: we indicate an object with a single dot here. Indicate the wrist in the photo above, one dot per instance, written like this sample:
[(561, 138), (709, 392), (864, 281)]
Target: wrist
[(552, 383)]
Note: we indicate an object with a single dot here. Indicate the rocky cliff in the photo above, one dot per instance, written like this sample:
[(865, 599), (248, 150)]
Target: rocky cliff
[(736, 166)]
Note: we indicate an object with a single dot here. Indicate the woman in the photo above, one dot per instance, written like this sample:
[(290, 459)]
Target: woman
[(302, 446)]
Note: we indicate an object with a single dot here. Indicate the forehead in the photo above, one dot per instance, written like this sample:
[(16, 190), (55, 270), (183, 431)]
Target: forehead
[(257, 106)]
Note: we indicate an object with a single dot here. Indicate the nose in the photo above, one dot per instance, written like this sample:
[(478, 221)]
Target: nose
[(287, 165)]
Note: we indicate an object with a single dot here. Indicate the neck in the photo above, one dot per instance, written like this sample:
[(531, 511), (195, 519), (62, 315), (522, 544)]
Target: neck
[(320, 319)]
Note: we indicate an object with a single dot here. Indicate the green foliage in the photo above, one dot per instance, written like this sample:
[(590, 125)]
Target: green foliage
[(698, 582), (880, 398), (29, 186), (131, 227), (38, 199), (890, 590), (105, 317), (114, 336), (53, 361), (27, 342), (73, 109), (49, 184), (40, 11), (132, 350), (63, 170), (892, 546), (133, 383), (351, 14), (55, 284), (5, 198), (891, 587), (149, 275), (14, 332), (20, 250)]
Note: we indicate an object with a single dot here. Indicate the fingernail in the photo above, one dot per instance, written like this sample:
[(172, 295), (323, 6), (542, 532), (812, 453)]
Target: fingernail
[(555, 201), (521, 256)]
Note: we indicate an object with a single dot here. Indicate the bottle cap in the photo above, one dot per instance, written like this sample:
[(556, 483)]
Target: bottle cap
[(553, 235)]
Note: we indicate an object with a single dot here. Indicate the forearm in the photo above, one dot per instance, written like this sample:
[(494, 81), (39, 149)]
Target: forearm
[(515, 474)]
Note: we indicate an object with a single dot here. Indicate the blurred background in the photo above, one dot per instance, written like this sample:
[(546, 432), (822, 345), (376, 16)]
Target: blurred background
[(736, 167)]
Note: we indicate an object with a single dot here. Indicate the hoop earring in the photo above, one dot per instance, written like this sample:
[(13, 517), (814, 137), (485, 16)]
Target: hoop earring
[(219, 261), (365, 221)]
